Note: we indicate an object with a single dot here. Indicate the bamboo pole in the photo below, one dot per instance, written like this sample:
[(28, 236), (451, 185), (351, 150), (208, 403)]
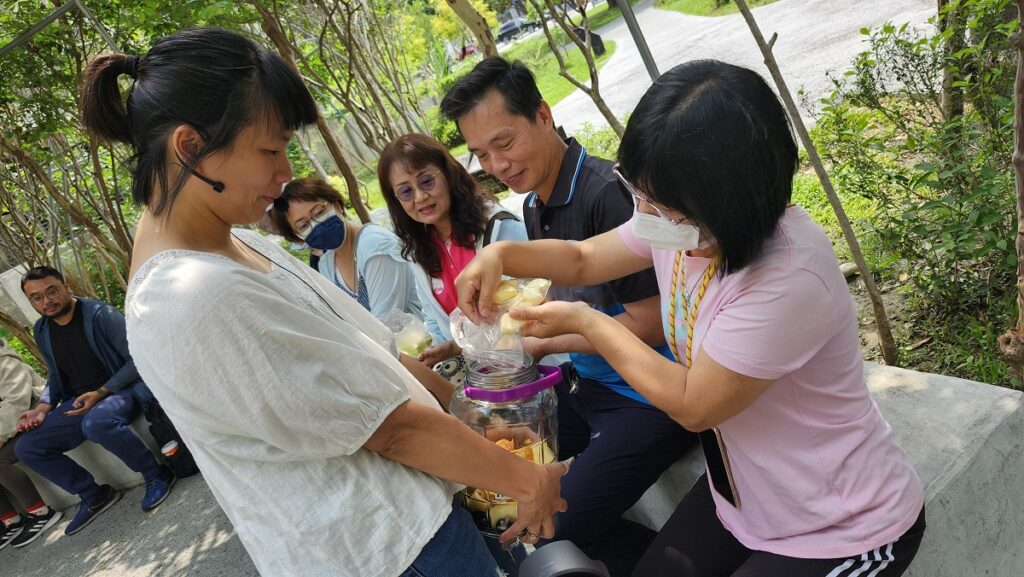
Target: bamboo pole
[(890, 352)]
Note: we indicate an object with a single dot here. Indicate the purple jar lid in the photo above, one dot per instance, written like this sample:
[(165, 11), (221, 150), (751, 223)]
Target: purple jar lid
[(550, 376)]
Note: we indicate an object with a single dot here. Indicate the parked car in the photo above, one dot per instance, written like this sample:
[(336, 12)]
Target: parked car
[(514, 27)]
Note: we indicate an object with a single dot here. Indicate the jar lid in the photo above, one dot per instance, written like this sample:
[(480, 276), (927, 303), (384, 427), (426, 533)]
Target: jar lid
[(550, 377)]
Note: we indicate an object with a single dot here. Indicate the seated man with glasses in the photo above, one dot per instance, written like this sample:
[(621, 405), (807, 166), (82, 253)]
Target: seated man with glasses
[(93, 392)]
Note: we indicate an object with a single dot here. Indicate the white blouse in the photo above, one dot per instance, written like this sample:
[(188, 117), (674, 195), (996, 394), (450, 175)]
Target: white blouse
[(275, 381)]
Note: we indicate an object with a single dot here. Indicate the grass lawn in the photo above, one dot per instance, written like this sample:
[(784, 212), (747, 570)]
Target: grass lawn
[(536, 54), (706, 7)]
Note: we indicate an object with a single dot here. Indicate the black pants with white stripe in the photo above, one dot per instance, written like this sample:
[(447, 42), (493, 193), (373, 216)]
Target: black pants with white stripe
[(693, 543)]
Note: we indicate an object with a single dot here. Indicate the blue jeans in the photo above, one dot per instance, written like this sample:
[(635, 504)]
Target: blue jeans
[(457, 550), (106, 424)]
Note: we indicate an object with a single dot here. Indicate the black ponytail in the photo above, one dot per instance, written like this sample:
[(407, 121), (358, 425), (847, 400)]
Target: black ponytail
[(213, 80), (103, 110)]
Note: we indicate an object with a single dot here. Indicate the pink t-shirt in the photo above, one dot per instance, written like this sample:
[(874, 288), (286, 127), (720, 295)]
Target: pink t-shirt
[(817, 470)]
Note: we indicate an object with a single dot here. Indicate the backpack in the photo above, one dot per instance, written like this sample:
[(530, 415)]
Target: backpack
[(163, 431), (489, 230)]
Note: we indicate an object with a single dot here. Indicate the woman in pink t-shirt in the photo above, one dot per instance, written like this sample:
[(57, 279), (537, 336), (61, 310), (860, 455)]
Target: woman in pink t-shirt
[(803, 475)]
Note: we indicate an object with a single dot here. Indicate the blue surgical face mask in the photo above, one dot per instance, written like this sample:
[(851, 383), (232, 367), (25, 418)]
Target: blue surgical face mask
[(327, 234)]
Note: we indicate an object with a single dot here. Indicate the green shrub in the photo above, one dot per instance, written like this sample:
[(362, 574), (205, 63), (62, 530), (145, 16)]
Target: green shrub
[(943, 187), (444, 129)]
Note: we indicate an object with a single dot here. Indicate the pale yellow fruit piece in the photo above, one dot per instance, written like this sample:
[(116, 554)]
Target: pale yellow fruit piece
[(532, 296), (509, 325), (507, 291), (539, 284), (515, 302), (502, 511)]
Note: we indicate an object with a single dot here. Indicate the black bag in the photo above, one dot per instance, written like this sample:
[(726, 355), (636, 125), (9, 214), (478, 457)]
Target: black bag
[(163, 431)]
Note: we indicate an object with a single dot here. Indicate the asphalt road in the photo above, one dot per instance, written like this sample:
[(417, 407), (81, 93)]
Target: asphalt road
[(815, 37)]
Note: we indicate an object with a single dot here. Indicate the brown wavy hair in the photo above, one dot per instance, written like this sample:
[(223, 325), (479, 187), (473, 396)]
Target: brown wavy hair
[(467, 213), (311, 189)]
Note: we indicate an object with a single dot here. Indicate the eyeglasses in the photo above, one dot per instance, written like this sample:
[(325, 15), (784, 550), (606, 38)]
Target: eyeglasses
[(50, 293), (320, 213), (425, 183), (641, 197)]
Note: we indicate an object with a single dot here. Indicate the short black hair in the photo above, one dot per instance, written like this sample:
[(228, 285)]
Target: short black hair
[(712, 141), (513, 80), (39, 273)]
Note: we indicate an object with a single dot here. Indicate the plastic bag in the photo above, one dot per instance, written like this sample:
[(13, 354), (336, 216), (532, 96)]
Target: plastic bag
[(499, 343), (411, 336)]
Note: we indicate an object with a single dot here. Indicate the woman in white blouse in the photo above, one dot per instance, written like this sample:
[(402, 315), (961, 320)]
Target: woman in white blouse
[(317, 439)]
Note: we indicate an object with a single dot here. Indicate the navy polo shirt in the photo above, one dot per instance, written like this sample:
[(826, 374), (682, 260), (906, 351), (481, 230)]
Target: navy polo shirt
[(589, 200)]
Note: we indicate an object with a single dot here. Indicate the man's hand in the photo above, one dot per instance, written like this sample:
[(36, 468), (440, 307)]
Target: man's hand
[(86, 401), (32, 418), (438, 353)]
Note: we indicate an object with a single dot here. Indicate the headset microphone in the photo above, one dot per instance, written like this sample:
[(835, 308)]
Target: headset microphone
[(217, 185)]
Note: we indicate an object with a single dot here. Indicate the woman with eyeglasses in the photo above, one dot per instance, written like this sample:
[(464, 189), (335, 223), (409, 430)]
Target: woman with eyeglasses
[(364, 260), (442, 219), (803, 477)]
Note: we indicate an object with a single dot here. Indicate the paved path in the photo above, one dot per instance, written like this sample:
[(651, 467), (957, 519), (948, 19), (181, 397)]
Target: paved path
[(187, 535), (815, 36)]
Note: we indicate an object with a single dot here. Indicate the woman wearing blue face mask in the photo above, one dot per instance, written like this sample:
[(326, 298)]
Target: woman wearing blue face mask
[(804, 478), (364, 260)]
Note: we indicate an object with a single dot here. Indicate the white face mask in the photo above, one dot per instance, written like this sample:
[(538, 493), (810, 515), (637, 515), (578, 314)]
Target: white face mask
[(660, 233)]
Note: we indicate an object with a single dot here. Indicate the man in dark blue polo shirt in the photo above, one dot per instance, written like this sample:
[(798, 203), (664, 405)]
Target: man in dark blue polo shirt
[(622, 444)]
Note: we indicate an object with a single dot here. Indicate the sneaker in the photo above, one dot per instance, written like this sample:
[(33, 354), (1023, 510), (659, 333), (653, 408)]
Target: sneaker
[(158, 489), (8, 534), (36, 525), (86, 512)]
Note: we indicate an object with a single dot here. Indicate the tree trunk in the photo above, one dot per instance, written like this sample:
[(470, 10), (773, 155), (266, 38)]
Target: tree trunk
[(477, 25), (585, 48), (21, 333), (889, 350), (1011, 343), (272, 28), (74, 212), (319, 168), (951, 19)]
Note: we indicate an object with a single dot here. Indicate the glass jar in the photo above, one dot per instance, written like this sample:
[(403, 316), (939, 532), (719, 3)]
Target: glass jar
[(515, 407)]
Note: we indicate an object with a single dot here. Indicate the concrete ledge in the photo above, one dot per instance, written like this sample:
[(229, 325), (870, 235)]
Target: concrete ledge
[(966, 441), (104, 466)]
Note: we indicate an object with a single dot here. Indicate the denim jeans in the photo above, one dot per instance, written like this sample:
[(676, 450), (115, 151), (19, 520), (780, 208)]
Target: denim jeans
[(457, 550), (106, 423)]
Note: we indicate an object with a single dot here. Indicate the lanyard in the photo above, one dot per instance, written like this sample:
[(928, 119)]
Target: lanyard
[(715, 454), (691, 312)]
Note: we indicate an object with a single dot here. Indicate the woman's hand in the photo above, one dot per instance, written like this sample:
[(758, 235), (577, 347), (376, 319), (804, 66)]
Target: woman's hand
[(439, 353), (554, 318), (477, 283), (535, 517)]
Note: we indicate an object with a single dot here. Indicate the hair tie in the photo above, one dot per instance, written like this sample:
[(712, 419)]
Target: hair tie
[(132, 63)]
